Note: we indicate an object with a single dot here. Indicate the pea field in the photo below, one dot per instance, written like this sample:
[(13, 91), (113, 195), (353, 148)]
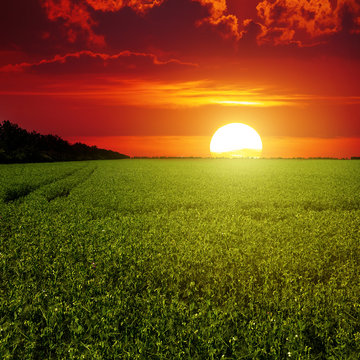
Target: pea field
[(180, 259)]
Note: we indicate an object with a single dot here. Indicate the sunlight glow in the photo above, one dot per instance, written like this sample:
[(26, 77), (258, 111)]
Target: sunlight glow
[(236, 140), (236, 102)]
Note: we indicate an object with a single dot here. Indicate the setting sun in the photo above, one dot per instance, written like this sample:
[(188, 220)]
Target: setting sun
[(236, 140)]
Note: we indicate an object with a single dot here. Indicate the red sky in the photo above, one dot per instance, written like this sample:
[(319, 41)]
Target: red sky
[(158, 77)]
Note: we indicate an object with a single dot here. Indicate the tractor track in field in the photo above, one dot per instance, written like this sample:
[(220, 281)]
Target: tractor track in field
[(65, 191), (23, 190)]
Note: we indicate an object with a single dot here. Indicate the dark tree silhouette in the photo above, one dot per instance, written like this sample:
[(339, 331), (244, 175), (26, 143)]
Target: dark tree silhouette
[(19, 146)]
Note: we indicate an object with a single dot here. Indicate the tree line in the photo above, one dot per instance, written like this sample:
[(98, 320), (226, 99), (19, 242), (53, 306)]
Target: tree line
[(17, 145)]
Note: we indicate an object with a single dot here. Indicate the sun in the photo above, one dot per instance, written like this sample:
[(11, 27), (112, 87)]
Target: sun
[(236, 140)]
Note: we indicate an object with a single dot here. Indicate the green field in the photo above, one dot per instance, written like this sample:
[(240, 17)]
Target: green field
[(180, 259)]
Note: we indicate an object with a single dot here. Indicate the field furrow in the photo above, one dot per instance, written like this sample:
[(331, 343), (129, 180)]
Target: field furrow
[(19, 188), (63, 187)]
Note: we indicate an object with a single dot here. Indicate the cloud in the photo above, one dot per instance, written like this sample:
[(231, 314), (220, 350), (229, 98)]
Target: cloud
[(227, 23), (306, 22), (82, 61), (78, 17), (217, 11), (192, 27), (282, 22), (110, 90), (135, 92), (24, 26), (115, 5)]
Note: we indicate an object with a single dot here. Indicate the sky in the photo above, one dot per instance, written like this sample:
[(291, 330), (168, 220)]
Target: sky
[(159, 77)]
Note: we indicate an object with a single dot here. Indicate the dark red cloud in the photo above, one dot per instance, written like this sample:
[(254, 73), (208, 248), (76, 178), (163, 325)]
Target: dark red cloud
[(179, 28), (306, 22), (168, 28), (89, 61), (78, 17), (282, 22)]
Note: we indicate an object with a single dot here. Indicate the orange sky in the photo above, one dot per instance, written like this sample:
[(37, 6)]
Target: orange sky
[(159, 77)]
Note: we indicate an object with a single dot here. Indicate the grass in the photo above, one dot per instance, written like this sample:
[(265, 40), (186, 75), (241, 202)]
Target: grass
[(180, 259)]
